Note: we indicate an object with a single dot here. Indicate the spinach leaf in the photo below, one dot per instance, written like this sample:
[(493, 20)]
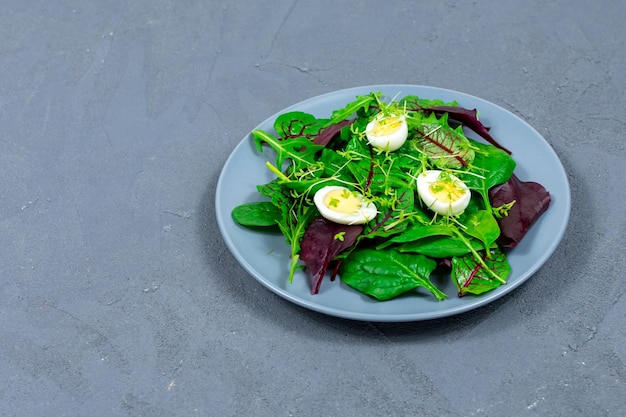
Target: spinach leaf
[(416, 231), (441, 246), (494, 166), (385, 274), (257, 214), (483, 226)]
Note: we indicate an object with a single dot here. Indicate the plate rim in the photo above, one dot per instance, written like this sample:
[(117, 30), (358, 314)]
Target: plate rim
[(480, 301)]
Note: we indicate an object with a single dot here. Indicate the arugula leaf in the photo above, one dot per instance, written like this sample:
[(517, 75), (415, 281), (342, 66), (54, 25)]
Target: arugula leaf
[(362, 165), (361, 102), (414, 103), (385, 274), (330, 168), (471, 277), (294, 219), (335, 165), (301, 151), (376, 172)]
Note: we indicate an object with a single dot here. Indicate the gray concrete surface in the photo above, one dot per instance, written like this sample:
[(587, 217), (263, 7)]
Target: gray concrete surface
[(118, 296)]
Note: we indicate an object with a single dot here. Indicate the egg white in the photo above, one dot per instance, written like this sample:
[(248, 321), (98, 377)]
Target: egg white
[(452, 207), (389, 142), (365, 212)]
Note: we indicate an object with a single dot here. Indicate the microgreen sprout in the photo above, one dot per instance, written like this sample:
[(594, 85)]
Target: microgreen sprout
[(503, 210)]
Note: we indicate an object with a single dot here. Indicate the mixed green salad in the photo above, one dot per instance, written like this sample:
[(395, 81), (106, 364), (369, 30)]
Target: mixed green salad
[(385, 192)]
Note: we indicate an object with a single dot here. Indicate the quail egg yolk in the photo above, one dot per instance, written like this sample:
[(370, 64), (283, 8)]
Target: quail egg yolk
[(446, 192), (443, 192), (387, 132), (340, 205), (342, 201), (386, 126)]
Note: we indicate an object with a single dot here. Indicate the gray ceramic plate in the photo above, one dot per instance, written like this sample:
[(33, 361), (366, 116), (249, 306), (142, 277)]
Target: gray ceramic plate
[(266, 256)]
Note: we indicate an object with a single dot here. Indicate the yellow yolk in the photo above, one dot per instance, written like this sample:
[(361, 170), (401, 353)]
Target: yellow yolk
[(342, 201), (386, 126), (447, 191), (344, 206), (443, 193), (387, 132)]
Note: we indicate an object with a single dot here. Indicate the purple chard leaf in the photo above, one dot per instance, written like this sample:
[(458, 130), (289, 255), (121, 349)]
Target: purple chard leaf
[(527, 201), (322, 241)]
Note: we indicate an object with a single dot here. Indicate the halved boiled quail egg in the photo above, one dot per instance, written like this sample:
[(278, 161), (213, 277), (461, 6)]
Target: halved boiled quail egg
[(341, 205), (443, 192), (387, 132)]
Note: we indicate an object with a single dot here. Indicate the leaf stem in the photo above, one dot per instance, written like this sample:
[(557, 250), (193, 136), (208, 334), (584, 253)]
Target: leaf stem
[(477, 256), (295, 257), (276, 171)]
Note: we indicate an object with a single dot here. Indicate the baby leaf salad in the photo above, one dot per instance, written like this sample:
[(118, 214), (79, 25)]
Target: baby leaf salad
[(385, 192)]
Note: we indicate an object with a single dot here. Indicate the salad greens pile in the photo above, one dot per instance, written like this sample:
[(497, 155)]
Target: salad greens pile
[(405, 243)]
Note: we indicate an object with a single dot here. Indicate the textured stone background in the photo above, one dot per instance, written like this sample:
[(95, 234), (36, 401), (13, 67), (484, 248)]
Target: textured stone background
[(118, 296)]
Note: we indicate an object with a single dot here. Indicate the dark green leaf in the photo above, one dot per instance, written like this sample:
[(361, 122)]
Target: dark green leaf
[(301, 151), (386, 222), (495, 165), (257, 214), (298, 124), (351, 108), (417, 231), (335, 165), (440, 246), (414, 103), (278, 195), (385, 274), (483, 226)]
